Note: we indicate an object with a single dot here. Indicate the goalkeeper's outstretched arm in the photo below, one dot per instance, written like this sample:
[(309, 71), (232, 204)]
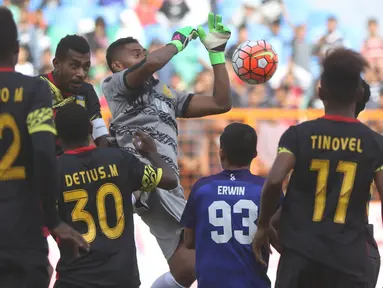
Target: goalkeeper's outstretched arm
[(140, 73), (220, 102)]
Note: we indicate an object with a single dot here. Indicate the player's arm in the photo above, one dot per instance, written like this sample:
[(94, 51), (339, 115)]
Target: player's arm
[(283, 164), (147, 177), (220, 102), (379, 185), (42, 133), (99, 130), (378, 178), (215, 42), (271, 192), (188, 219), (189, 238), (274, 222), (138, 74)]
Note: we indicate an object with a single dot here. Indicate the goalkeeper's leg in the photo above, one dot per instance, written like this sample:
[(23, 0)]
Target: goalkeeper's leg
[(163, 216)]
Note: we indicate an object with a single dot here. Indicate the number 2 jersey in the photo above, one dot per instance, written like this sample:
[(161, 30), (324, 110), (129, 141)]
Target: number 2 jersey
[(324, 211), (222, 209), (26, 126), (96, 186)]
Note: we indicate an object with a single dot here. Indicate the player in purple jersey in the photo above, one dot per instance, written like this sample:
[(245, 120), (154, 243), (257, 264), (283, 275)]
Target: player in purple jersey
[(221, 214)]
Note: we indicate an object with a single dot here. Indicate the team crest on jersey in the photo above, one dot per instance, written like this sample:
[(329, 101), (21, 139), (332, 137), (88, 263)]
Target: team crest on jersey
[(80, 100), (232, 177), (167, 92)]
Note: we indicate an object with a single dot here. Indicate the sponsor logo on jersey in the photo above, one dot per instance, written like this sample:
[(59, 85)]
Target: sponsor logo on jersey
[(80, 100)]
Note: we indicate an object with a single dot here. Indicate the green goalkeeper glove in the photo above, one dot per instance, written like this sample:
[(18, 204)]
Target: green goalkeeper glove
[(215, 41), (183, 36)]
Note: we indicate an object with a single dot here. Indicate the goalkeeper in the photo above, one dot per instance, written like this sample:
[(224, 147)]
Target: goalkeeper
[(140, 102)]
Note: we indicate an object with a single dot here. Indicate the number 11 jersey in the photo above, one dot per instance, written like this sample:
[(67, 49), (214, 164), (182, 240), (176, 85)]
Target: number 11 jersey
[(222, 209), (324, 212)]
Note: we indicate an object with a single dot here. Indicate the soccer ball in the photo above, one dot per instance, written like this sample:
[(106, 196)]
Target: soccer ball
[(255, 62)]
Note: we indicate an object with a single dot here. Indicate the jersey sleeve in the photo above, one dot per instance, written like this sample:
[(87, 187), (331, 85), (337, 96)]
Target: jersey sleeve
[(117, 93), (183, 99), (40, 113), (40, 126), (289, 142), (142, 176), (114, 85), (188, 218), (94, 108)]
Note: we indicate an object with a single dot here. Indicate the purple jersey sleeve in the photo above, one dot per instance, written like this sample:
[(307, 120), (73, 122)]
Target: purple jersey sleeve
[(188, 218)]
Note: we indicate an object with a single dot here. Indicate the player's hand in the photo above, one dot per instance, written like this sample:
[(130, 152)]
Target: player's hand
[(262, 240), (68, 235), (215, 41), (183, 36), (144, 144)]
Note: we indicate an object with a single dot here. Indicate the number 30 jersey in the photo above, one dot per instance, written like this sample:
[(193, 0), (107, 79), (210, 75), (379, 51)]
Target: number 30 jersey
[(324, 211), (222, 209), (95, 198)]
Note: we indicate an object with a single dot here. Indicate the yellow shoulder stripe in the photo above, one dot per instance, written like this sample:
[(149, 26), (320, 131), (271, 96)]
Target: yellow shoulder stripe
[(284, 150), (41, 120)]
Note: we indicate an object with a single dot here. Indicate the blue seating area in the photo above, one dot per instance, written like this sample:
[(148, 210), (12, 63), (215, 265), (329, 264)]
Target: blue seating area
[(299, 12), (64, 19)]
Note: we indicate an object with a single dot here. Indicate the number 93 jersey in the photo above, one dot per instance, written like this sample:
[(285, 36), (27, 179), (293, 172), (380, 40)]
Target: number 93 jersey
[(96, 199), (324, 214), (223, 211)]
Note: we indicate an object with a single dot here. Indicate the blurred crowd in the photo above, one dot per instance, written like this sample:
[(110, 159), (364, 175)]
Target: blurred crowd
[(152, 22), (300, 45)]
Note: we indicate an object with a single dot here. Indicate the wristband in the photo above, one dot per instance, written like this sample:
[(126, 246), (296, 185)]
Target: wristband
[(178, 44), (217, 58), (99, 128)]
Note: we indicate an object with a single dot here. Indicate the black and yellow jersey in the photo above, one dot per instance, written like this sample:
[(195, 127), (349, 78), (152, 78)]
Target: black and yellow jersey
[(96, 186), (86, 97), (324, 211), (26, 126)]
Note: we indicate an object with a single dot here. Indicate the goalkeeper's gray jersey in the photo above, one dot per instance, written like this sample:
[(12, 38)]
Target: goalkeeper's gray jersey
[(152, 108)]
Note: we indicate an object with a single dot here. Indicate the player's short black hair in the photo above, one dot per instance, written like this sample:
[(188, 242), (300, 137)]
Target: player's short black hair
[(72, 123), (239, 143), (341, 75), (114, 47), (71, 42), (8, 34)]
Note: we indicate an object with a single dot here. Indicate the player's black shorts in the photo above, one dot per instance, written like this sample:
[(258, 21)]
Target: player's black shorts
[(373, 271), (297, 271), (23, 269), (60, 284)]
